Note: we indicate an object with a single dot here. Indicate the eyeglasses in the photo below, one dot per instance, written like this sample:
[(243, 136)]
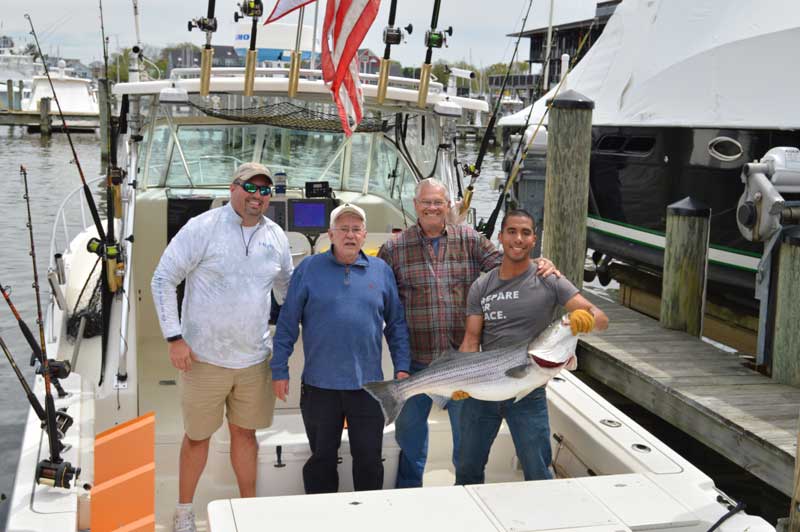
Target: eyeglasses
[(264, 190), (434, 203), (346, 230)]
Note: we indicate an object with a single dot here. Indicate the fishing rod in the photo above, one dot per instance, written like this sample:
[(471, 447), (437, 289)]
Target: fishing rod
[(55, 471), (89, 198), (474, 170), (63, 420), (488, 227), (391, 36), (64, 371), (209, 26), (254, 9), (434, 38)]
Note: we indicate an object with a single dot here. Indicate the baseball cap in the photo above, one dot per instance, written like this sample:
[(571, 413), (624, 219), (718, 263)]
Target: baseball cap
[(247, 171), (345, 209)]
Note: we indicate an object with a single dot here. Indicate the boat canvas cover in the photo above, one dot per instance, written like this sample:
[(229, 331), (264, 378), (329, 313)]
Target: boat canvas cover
[(690, 63)]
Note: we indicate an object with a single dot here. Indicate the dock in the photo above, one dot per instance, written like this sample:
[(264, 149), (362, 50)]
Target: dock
[(705, 391), (33, 120)]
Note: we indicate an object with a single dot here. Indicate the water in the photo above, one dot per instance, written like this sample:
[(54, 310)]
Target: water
[(51, 176)]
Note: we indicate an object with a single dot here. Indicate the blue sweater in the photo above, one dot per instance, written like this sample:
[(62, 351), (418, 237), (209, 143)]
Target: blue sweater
[(343, 309)]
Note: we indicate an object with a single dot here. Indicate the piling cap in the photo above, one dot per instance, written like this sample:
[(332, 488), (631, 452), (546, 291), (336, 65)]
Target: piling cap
[(689, 206), (791, 236), (571, 100)]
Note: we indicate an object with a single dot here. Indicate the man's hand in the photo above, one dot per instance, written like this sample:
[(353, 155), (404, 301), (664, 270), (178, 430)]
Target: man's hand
[(281, 389), (180, 354), (545, 267), (581, 321), (402, 375), (459, 395)]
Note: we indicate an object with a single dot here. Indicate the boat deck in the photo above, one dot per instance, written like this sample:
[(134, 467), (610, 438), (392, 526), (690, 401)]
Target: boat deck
[(699, 388)]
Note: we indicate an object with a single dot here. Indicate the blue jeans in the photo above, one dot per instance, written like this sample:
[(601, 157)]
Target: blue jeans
[(530, 431), (411, 433)]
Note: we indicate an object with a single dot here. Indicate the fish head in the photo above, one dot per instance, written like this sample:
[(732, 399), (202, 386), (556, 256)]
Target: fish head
[(554, 346)]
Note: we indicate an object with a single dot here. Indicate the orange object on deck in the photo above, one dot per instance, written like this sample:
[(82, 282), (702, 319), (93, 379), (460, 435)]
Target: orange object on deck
[(123, 496)]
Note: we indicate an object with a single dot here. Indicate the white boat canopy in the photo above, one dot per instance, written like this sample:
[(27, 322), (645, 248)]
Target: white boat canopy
[(690, 63)]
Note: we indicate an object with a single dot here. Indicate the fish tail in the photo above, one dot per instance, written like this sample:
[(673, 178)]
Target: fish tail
[(389, 398)]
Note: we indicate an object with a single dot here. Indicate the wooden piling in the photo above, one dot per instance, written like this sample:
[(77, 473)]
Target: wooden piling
[(45, 124), (685, 266), (786, 337), (566, 197), (10, 93), (18, 101)]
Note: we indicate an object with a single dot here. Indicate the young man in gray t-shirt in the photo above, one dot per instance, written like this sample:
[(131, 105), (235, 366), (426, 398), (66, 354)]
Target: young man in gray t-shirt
[(509, 305)]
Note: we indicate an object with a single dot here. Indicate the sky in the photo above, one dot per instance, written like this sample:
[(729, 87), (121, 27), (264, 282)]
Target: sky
[(72, 28)]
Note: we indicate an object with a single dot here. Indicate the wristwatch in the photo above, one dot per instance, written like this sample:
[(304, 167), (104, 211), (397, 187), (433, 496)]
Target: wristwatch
[(175, 338)]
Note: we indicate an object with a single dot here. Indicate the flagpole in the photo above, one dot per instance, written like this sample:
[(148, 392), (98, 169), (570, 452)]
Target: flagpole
[(294, 66)]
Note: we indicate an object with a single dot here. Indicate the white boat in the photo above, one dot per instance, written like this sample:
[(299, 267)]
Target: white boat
[(14, 66), (612, 474), (77, 96)]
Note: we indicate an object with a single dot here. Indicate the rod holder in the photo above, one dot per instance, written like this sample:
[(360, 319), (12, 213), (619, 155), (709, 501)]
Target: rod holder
[(383, 80), (205, 70), (249, 72), (76, 349), (424, 82), (55, 287), (60, 272), (294, 73)]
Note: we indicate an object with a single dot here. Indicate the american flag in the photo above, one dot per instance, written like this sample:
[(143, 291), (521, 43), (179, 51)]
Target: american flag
[(343, 30), (346, 23)]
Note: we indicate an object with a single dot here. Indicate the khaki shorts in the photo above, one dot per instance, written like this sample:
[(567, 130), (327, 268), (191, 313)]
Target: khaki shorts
[(208, 390)]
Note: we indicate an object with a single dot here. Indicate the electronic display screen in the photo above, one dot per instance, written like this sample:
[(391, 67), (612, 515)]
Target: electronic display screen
[(309, 215), (277, 213)]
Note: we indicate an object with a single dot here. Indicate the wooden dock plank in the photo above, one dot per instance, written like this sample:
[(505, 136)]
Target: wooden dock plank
[(700, 389)]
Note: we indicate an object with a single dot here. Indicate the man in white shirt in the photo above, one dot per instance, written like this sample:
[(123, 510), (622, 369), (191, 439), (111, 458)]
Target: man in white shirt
[(232, 258)]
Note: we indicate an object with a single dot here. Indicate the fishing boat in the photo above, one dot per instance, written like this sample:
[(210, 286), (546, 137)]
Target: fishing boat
[(678, 113), (177, 151), (76, 95)]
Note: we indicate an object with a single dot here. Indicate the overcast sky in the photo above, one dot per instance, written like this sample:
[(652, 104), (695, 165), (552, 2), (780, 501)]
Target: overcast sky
[(480, 26)]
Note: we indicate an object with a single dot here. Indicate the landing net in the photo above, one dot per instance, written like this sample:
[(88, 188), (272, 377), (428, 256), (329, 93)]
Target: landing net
[(293, 116)]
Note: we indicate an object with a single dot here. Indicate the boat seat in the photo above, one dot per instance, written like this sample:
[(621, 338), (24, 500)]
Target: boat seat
[(299, 246)]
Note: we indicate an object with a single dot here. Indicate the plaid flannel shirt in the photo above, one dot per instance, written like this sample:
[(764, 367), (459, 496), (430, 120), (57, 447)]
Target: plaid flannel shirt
[(434, 289)]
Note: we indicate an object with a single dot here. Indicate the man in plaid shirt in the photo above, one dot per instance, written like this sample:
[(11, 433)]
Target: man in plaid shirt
[(434, 263)]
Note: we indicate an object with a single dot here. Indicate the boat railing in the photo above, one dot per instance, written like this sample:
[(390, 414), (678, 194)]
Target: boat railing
[(305, 73), (71, 228)]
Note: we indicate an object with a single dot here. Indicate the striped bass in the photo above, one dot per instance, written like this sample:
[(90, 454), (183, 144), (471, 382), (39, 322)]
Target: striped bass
[(493, 375)]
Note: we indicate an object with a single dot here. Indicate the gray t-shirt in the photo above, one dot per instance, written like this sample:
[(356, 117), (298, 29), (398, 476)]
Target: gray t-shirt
[(516, 310)]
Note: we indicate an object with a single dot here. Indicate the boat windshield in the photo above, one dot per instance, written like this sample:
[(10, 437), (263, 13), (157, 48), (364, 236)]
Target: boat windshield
[(203, 155)]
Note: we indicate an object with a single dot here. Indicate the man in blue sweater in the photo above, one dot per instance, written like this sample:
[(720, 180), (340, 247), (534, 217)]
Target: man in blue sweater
[(345, 301)]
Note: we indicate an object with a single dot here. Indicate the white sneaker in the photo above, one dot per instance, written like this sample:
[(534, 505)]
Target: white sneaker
[(184, 520)]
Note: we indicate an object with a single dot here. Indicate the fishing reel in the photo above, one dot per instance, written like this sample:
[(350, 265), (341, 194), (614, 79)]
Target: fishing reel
[(63, 422), (208, 25), (393, 35), (100, 248), (59, 369), (250, 8), (56, 475), (437, 38)]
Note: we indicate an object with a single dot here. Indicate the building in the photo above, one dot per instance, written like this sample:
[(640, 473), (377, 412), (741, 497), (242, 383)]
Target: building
[(190, 56), (567, 35)]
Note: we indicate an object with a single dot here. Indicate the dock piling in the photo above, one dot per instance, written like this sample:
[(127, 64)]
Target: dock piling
[(786, 336), (18, 101), (685, 266), (10, 94), (566, 197), (45, 123)]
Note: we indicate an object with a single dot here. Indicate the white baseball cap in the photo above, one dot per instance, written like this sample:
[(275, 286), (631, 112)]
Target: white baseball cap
[(348, 208), (247, 171)]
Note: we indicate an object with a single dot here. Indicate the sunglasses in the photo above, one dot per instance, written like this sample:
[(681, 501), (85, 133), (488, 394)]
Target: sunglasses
[(264, 190)]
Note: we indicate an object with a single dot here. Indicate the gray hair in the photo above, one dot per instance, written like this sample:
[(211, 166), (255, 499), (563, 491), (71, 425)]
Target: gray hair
[(432, 182)]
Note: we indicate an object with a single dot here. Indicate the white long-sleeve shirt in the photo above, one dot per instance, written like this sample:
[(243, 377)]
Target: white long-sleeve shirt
[(229, 276)]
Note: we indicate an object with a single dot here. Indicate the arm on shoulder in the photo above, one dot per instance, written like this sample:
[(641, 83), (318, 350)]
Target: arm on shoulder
[(472, 334), (579, 302)]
